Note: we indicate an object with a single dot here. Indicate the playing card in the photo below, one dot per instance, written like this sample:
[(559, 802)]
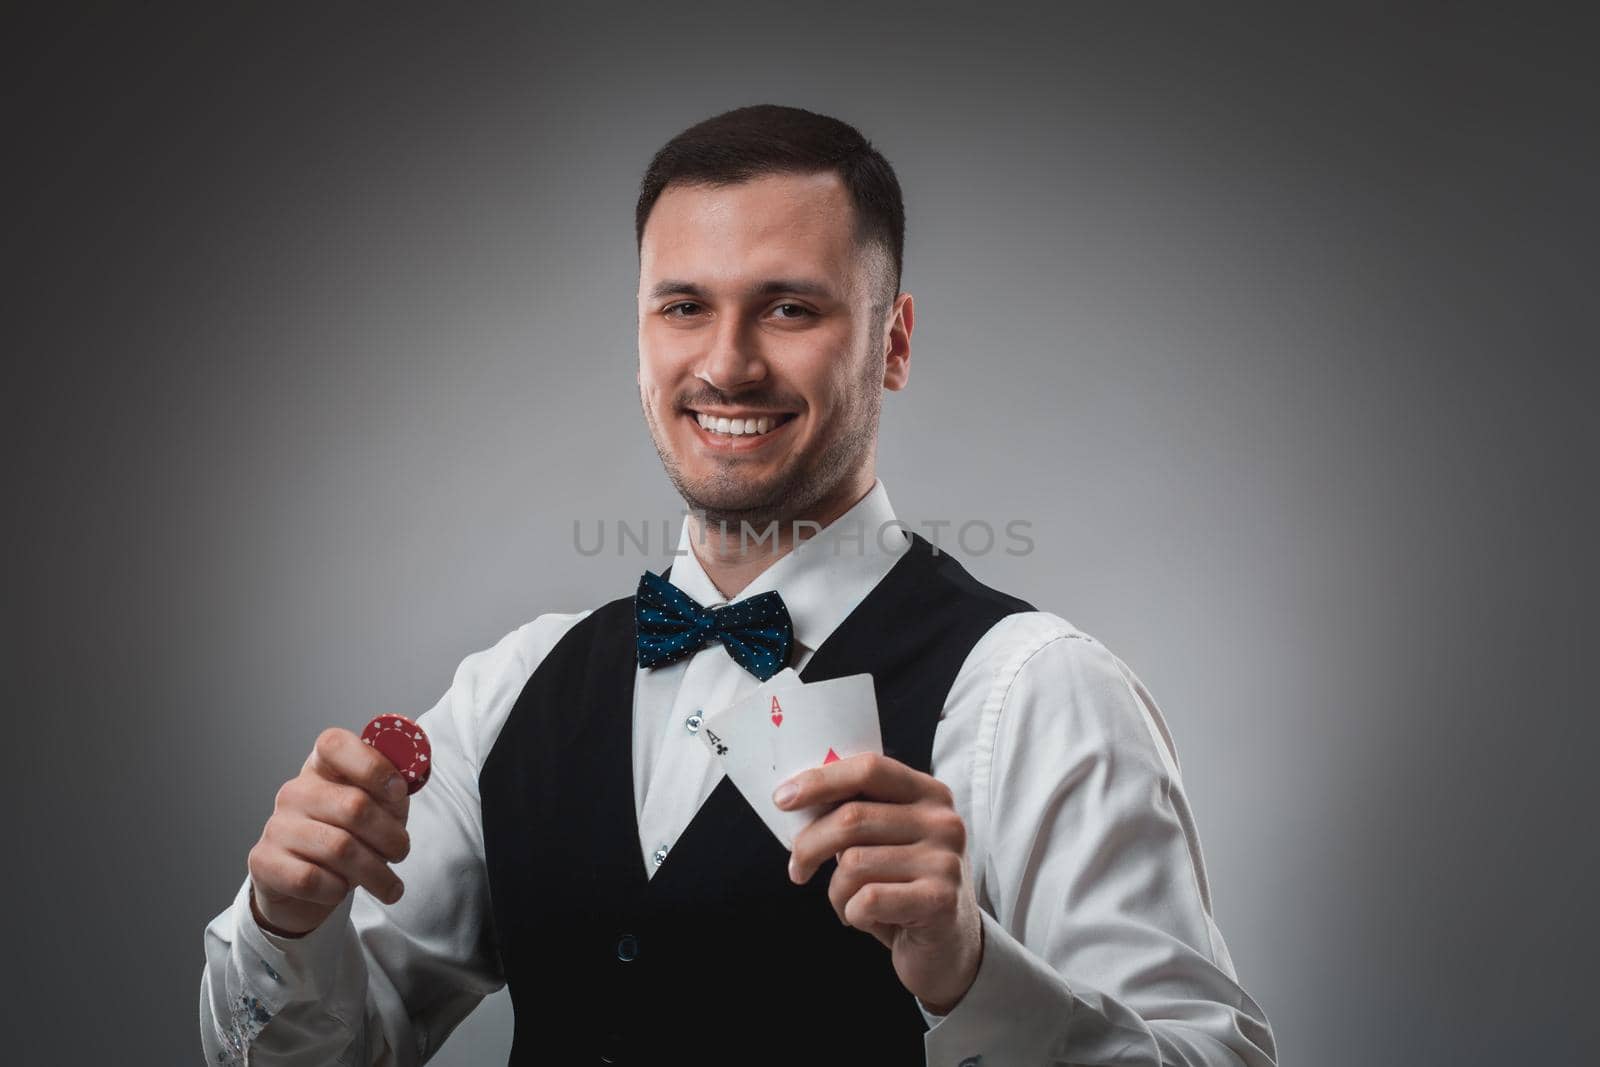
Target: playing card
[(747, 755), (741, 737), (785, 726)]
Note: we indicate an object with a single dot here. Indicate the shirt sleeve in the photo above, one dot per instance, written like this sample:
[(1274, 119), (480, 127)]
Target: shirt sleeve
[(1099, 943), (380, 984)]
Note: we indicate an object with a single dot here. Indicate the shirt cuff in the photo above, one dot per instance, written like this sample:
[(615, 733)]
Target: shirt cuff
[(293, 968), (1016, 1009)]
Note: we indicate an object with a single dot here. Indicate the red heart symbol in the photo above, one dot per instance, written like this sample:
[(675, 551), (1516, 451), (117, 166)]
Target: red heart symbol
[(777, 718)]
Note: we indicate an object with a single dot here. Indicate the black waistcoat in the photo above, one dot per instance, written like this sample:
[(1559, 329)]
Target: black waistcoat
[(718, 958)]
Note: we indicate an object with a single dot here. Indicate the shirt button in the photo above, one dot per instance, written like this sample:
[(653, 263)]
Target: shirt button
[(693, 722), (627, 948), (661, 855)]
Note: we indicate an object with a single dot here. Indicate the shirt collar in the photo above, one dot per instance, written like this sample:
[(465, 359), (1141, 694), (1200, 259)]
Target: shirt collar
[(824, 577)]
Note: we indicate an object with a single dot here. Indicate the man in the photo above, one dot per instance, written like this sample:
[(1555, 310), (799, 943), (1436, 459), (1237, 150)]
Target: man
[(1017, 880)]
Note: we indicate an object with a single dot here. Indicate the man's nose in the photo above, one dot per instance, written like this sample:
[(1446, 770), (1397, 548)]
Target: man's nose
[(734, 360)]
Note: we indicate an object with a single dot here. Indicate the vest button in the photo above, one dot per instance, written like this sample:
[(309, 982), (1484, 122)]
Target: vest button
[(627, 947)]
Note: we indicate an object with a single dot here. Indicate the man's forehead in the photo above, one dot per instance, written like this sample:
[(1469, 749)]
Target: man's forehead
[(771, 208), (809, 197), (774, 226)]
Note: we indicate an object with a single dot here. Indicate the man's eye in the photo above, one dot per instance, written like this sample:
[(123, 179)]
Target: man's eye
[(682, 309), (799, 312)]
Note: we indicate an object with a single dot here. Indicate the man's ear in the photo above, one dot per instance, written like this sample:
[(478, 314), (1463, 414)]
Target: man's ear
[(897, 345)]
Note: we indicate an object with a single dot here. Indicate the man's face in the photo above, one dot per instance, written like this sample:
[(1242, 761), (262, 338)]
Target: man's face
[(761, 361)]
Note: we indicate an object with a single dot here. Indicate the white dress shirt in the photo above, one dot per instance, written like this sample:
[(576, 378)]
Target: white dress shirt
[(1099, 944)]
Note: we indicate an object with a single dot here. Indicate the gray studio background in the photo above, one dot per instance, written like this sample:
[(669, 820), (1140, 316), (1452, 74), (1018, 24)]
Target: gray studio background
[(1278, 328)]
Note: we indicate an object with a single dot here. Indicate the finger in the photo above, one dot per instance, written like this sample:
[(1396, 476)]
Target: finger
[(339, 851), (926, 902), (862, 865), (349, 808), (859, 822), (340, 756), (866, 775), (281, 875)]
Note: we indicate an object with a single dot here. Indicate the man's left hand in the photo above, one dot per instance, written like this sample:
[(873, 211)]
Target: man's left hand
[(902, 873)]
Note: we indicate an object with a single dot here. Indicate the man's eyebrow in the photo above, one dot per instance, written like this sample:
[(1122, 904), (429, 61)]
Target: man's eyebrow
[(670, 287), (798, 286), (771, 287)]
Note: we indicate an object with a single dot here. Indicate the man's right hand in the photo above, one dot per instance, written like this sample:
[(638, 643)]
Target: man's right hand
[(338, 824)]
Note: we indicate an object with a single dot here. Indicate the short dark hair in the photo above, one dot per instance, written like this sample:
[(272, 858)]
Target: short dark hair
[(747, 142)]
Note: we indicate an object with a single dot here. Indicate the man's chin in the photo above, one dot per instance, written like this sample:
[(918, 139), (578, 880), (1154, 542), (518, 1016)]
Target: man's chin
[(733, 509), (747, 500)]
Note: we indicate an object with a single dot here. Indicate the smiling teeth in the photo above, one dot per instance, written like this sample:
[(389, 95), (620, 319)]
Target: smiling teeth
[(735, 427)]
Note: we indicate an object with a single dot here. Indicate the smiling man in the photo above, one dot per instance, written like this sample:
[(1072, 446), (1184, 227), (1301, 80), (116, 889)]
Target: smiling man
[(1016, 880), (770, 322)]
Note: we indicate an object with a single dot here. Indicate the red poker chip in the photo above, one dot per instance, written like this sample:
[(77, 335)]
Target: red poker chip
[(406, 746)]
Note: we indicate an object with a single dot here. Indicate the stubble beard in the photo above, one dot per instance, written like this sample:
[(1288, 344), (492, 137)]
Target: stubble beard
[(724, 500)]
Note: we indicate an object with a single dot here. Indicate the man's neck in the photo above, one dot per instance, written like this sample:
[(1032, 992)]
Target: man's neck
[(735, 554)]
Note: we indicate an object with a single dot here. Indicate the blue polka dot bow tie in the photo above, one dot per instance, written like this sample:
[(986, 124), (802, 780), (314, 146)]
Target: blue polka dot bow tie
[(756, 632)]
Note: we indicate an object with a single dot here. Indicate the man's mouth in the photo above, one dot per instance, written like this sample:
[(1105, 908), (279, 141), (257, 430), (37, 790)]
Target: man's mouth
[(737, 425)]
